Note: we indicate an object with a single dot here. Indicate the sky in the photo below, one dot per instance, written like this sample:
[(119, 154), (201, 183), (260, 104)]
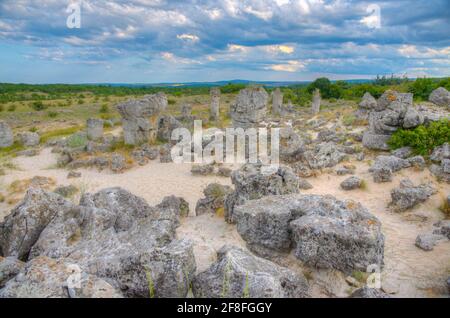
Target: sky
[(156, 41)]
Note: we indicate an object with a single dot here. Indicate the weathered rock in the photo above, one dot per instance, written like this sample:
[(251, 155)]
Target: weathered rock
[(118, 162), (442, 228), (385, 166), (440, 97), (94, 128), (186, 112), (253, 181), (440, 153), (29, 139), (44, 277), (316, 100), (250, 107), (304, 184), (166, 125), (23, 227), (367, 292), (214, 200), (427, 241), (407, 195), (351, 183), (238, 273), (28, 152), (324, 155), (417, 162), (224, 172), (119, 238), (368, 102), (291, 145), (215, 103), (412, 118), (6, 135), (277, 102), (325, 232), (393, 111), (402, 153), (140, 118), (66, 191), (202, 169), (9, 267), (179, 206), (342, 171), (165, 155)]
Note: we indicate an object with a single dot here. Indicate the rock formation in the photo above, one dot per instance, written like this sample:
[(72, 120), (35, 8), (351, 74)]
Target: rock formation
[(215, 103), (140, 118), (440, 97), (94, 128), (6, 135), (316, 100), (277, 102), (250, 107)]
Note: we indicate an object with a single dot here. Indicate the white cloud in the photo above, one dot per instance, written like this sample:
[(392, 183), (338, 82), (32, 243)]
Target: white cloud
[(290, 66), (188, 37)]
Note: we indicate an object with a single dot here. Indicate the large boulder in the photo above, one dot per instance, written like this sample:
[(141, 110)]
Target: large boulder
[(324, 155), (440, 97), (325, 232), (253, 181), (407, 195), (44, 277), (250, 107), (238, 273), (214, 200), (22, 228), (29, 139), (384, 166), (94, 128), (367, 104), (117, 237), (166, 125), (393, 111), (140, 118), (6, 135)]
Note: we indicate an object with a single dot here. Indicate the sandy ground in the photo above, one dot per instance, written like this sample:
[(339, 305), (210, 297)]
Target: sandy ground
[(408, 270)]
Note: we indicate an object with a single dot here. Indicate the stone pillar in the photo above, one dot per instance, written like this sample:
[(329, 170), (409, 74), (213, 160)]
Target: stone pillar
[(6, 135), (277, 102), (250, 107), (316, 100), (94, 128), (215, 103), (186, 111)]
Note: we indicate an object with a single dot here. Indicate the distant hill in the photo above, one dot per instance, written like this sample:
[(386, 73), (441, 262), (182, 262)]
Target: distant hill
[(221, 83)]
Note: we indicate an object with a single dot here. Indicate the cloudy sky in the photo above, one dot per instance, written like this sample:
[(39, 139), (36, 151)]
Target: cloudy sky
[(151, 41)]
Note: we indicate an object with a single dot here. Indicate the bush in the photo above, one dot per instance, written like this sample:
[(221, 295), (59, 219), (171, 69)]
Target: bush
[(171, 101), (76, 140), (422, 88), (52, 114), (38, 105), (2, 108), (104, 109), (12, 108), (422, 139)]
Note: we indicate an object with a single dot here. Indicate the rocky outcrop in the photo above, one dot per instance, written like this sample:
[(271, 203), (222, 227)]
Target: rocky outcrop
[(214, 200), (166, 124), (384, 166), (407, 195), (29, 139), (44, 277), (291, 145), (140, 118), (393, 111), (367, 104), (253, 181), (115, 237), (238, 273), (250, 107), (9, 268), (6, 135), (94, 128), (324, 155), (324, 232), (440, 97), (441, 162)]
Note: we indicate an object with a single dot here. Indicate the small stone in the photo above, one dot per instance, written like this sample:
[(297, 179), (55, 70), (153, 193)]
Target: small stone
[(351, 183), (73, 174)]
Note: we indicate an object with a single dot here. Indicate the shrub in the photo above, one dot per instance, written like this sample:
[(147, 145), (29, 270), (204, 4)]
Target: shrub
[(422, 88), (38, 105), (104, 109), (2, 108), (422, 139), (76, 140), (52, 114), (12, 108), (171, 101)]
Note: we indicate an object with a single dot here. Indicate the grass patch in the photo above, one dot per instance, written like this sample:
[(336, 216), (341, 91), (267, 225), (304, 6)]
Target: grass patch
[(11, 150), (59, 133)]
